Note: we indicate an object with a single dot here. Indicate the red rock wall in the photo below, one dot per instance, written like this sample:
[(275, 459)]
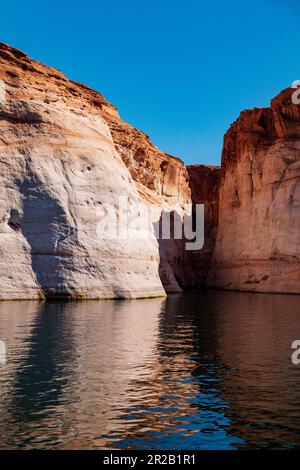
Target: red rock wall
[(258, 241)]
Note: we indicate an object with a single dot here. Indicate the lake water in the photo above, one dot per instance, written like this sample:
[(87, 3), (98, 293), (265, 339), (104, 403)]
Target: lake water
[(206, 370)]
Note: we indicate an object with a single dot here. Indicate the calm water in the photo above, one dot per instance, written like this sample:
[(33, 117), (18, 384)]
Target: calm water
[(210, 370)]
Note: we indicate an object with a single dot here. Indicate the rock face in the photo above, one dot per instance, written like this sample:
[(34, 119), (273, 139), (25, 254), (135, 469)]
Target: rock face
[(258, 241), (59, 167)]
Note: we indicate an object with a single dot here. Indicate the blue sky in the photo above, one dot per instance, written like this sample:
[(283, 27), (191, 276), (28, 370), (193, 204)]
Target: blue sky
[(179, 70)]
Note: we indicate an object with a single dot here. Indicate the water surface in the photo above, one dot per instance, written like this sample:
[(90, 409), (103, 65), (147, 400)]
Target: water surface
[(208, 370)]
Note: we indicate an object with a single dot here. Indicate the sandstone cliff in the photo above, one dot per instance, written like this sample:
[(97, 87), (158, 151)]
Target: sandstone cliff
[(258, 241), (59, 166)]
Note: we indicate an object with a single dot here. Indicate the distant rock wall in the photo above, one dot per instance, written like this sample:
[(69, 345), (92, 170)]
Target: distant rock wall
[(204, 183)]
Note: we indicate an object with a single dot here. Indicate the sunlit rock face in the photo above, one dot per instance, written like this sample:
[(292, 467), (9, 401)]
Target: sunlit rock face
[(258, 240), (59, 167)]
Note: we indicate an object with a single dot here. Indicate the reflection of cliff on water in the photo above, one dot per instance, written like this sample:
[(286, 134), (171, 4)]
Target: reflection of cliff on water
[(184, 408), (198, 370), (74, 372), (41, 362), (255, 335)]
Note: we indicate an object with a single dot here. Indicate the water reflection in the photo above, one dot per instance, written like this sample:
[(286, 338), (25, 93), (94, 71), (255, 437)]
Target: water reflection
[(207, 370)]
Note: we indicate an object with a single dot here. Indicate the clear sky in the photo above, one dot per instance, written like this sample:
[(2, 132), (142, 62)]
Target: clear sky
[(179, 70)]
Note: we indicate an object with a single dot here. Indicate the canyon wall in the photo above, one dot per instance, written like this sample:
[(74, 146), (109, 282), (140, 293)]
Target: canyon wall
[(58, 168), (65, 155), (258, 238)]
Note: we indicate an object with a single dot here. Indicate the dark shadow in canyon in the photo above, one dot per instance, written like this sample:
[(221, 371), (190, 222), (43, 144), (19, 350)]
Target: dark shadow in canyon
[(171, 251)]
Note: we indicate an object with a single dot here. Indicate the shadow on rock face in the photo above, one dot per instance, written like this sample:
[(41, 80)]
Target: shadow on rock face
[(46, 225), (171, 251)]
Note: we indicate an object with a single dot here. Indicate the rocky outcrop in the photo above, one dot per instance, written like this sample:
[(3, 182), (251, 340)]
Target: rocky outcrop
[(59, 168), (258, 241)]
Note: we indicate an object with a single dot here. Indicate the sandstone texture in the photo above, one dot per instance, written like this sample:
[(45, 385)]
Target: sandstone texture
[(258, 238), (59, 166)]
